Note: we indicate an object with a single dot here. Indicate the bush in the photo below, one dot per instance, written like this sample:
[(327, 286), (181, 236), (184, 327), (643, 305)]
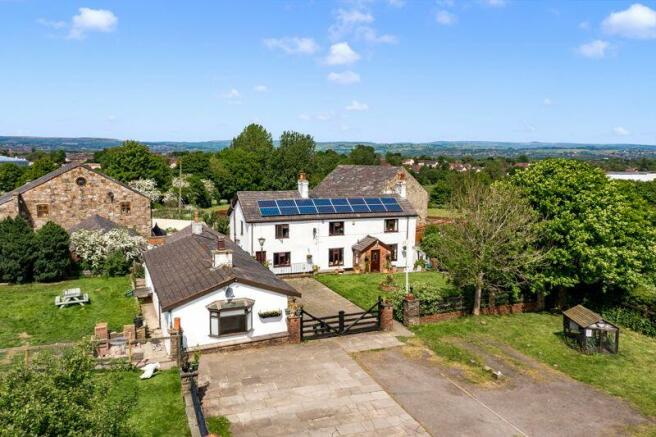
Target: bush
[(430, 298), (16, 250), (631, 318), (116, 264), (94, 247), (57, 395), (53, 260)]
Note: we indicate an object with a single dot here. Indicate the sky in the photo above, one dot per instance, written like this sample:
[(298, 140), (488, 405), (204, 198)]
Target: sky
[(377, 70)]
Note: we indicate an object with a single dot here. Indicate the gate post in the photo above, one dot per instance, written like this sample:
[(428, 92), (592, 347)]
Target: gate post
[(385, 317), (294, 327), (341, 322), (410, 311)]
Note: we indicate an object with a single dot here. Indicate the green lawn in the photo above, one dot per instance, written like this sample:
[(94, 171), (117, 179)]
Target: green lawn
[(629, 374), (442, 213), (158, 408), (362, 289), (28, 314)]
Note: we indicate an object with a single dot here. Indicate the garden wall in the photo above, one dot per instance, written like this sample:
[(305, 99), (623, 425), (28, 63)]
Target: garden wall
[(521, 307)]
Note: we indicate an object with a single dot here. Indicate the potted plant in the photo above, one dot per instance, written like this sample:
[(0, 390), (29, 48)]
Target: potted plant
[(388, 284), (270, 314)]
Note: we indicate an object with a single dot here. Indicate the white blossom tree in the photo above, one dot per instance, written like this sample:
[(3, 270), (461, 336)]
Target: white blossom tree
[(147, 187), (93, 247)]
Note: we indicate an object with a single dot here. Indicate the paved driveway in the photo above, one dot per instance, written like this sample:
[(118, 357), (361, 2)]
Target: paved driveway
[(319, 300), (315, 388)]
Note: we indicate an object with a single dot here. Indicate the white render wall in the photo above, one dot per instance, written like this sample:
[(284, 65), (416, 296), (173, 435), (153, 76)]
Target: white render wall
[(303, 243), (195, 317)]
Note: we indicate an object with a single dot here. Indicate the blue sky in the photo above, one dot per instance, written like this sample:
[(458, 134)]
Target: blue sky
[(386, 70)]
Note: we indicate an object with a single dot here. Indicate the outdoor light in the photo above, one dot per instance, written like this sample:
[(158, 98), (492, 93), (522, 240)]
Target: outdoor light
[(230, 293), (261, 240), (407, 273)]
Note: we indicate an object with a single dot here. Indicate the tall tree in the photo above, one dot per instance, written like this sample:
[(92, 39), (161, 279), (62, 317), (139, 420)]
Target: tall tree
[(196, 163), (295, 154), (600, 239), (40, 167), (491, 247), (10, 175), (254, 138), (325, 162), (52, 258), (133, 160), (16, 250), (236, 169), (363, 155)]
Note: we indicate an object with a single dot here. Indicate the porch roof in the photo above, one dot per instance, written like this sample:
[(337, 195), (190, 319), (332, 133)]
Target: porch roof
[(366, 243)]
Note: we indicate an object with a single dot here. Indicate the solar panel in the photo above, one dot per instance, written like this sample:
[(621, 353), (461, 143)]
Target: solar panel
[(360, 208), (326, 209), (394, 208), (336, 205), (269, 212), (343, 208), (286, 202)]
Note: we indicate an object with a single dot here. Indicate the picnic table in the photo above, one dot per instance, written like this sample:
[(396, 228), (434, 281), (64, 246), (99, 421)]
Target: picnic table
[(72, 296)]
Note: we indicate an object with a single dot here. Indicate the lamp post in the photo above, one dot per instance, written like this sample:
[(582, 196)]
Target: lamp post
[(261, 240), (407, 277)]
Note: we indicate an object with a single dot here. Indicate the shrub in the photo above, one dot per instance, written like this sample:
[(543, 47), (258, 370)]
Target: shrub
[(430, 298), (16, 250), (59, 395), (53, 260), (116, 264), (631, 318), (94, 247)]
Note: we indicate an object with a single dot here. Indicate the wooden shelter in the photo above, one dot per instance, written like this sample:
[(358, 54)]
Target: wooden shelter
[(591, 331)]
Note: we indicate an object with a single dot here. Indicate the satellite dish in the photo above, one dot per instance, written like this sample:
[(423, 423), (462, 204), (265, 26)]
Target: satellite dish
[(230, 293)]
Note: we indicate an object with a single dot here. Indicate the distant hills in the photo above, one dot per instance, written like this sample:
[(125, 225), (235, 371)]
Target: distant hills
[(451, 148)]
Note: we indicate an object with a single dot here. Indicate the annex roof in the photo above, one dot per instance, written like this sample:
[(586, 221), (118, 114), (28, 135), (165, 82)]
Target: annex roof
[(181, 269), (97, 223), (366, 243)]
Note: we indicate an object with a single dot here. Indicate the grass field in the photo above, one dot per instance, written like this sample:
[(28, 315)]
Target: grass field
[(28, 314), (628, 374), (442, 213), (363, 289), (158, 408)]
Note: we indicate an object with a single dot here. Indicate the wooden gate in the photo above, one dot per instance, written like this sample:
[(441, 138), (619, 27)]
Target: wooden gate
[(341, 324)]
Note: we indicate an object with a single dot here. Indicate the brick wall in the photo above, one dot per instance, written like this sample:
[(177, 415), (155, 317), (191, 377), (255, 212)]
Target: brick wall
[(69, 203), (500, 309)]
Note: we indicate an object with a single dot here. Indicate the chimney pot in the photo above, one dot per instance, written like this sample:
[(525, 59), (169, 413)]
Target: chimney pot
[(303, 186), (220, 245)]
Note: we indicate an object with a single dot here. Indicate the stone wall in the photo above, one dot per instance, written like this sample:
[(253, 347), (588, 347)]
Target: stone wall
[(70, 202), (9, 209), (500, 309), (415, 193)]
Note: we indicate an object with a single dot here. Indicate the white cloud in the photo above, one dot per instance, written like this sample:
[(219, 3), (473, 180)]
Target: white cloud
[(584, 25), (357, 106), (396, 3), (92, 20), (232, 96), (495, 3), (341, 54), (344, 78), (52, 24), (304, 117), (638, 21), (292, 45), (446, 3), (260, 88), (620, 131), (445, 18), (547, 101), (354, 16), (595, 49), (323, 116), (370, 35)]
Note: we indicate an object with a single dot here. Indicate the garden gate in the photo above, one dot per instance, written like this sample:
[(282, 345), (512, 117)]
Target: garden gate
[(341, 324)]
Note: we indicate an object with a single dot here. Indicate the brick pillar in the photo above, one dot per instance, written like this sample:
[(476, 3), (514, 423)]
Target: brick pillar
[(101, 334), (129, 332), (294, 328), (410, 311), (386, 317), (176, 342)]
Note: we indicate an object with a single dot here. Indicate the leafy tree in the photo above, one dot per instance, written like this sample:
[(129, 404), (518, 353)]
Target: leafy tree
[(196, 163), (10, 175), (394, 158), (40, 167), (16, 250), (325, 161), (254, 138), (116, 264), (196, 194), (601, 240), (492, 246), (53, 260), (59, 394), (133, 160), (638, 190), (363, 155), (235, 169), (441, 192), (295, 154)]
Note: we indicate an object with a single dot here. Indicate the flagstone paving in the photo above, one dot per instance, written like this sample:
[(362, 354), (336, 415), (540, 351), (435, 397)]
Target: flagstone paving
[(315, 388)]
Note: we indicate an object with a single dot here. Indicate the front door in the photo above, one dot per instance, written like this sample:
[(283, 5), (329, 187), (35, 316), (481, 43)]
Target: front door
[(375, 260)]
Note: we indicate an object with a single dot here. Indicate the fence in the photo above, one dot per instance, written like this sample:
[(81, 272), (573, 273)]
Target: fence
[(293, 269)]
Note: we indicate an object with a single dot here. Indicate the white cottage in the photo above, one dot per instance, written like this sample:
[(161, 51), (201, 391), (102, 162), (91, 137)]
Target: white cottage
[(221, 295), (302, 230)]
